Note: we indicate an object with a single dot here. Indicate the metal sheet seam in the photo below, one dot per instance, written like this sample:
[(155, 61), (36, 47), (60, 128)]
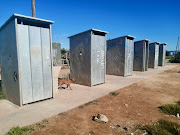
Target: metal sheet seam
[(19, 75), (91, 58), (42, 60), (50, 34), (125, 56)]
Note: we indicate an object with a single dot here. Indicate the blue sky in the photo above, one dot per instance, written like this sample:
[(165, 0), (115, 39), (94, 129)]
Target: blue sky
[(156, 20)]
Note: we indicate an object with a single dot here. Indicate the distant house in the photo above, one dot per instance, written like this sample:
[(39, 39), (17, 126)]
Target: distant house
[(56, 52), (170, 53)]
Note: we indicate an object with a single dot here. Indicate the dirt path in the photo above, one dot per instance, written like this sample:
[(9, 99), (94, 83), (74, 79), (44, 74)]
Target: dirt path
[(135, 104)]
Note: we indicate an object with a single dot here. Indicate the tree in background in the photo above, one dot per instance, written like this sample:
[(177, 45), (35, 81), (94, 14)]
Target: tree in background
[(63, 51)]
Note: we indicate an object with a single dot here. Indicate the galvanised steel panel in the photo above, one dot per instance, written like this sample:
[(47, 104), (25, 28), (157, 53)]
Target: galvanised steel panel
[(141, 55), (153, 55), (156, 56), (36, 63), (80, 60), (87, 61), (56, 47), (15, 58), (46, 57), (144, 58), (147, 55), (98, 59), (24, 63), (120, 55), (9, 63), (162, 54), (131, 56), (127, 57), (115, 56)]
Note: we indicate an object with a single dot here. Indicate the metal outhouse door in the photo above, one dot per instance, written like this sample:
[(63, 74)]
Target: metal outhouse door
[(35, 63), (162, 54), (98, 59), (156, 56), (147, 54), (141, 55), (153, 55), (144, 58), (129, 52)]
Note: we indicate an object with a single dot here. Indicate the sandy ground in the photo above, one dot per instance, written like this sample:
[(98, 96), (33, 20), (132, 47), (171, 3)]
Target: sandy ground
[(64, 72), (135, 104)]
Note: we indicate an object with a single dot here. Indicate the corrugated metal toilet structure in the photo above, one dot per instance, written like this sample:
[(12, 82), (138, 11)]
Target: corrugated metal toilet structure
[(120, 56), (162, 54), (141, 55), (87, 61), (153, 55), (26, 59)]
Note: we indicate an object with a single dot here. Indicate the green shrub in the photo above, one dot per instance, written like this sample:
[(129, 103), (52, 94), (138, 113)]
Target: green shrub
[(1, 95), (178, 102), (154, 130), (114, 93), (20, 131), (171, 127), (89, 103), (168, 57), (162, 127), (27, 129), (64, 67), (173, 60), (171, 109)]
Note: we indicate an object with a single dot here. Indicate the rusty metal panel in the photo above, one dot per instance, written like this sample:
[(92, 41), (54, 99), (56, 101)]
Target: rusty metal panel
[(141, 55), (46, 59), (153, 55), (87, 51), (36, 62), (162, 54), (120, 55), (24, 63), (9, 63)]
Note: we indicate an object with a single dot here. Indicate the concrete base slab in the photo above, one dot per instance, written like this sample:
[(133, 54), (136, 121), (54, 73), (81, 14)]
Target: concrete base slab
[(66, 99)]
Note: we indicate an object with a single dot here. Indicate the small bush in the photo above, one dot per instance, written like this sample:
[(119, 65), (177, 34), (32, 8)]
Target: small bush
[(162, 127), (168, 57), (20, 131), (114, 93), (178, 102), (86, 104), (179, 72), (154, 130), (1, 95), (171, 127), (64, 67), (173, 60), (171, 109), (27, 129)]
